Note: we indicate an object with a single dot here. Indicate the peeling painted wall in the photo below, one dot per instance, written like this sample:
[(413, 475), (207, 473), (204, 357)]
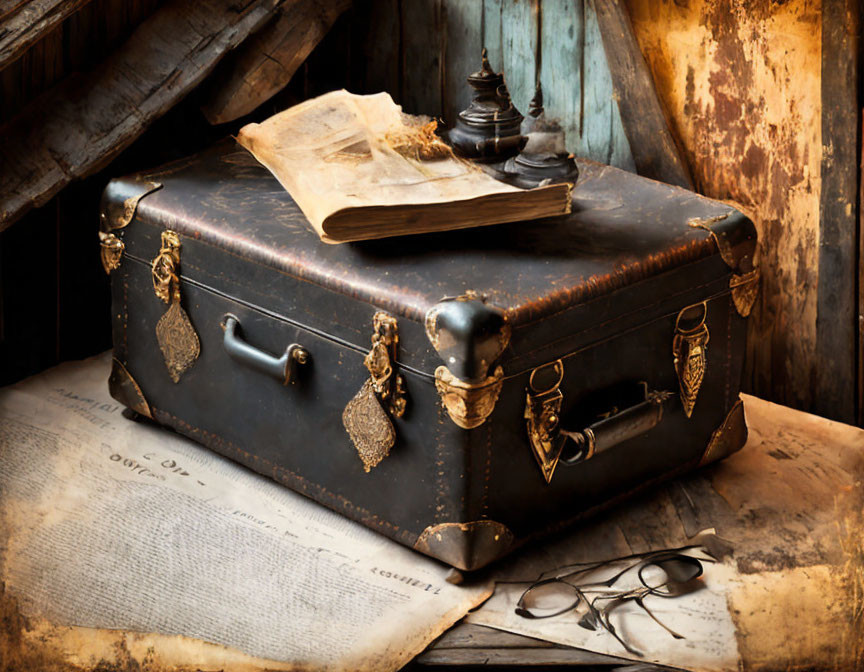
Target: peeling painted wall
[(741, 81)]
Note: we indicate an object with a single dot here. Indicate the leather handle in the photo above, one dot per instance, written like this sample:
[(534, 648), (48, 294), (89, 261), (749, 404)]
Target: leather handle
[(618, 428), (283, 369)]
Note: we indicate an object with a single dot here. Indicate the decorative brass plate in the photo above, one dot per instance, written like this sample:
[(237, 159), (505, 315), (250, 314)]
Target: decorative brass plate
[(366, 418), (690, 353), (175, 334), (542, 415)]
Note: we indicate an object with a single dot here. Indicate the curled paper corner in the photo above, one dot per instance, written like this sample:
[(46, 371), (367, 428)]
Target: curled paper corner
[(718, 547)]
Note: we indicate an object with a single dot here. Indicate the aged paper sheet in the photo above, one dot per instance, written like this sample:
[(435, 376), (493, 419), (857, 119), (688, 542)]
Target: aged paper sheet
[(788, 510), (113, 524), (701, 617)]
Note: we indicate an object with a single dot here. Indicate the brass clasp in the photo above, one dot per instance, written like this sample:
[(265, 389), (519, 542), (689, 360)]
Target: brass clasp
[(175, 334), (111, 248), (366, 417), (542, 414), (690, 352), (164, 267), (379, 361)]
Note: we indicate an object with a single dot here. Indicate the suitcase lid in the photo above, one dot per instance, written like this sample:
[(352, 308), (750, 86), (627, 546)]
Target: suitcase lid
[(520, 294)]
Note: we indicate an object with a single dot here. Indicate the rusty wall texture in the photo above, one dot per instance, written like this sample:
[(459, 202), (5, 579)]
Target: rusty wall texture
[(740, 80)]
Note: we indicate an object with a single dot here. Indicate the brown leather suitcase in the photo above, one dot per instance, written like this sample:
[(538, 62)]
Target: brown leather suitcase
[(460, 393)]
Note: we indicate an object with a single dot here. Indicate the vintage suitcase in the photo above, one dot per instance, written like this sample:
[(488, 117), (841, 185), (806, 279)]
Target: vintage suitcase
[(524, 374)]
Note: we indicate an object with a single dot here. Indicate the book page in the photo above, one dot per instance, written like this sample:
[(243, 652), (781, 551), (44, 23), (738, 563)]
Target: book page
[(122, 525), (341, 152)]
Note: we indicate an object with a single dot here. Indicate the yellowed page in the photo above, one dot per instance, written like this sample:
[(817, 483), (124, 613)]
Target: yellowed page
[(112, 524), (789, 591), (335, 152)]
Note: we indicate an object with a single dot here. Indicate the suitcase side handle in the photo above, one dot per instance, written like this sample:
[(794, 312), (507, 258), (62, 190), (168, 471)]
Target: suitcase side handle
[(283, 369), (548, 439), (618, 428)]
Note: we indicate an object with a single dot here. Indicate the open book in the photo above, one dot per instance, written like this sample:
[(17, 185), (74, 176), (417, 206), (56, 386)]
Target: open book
[(359, 169)]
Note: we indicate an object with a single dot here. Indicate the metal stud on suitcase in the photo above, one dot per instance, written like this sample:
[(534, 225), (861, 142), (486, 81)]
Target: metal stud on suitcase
[(460, 393)]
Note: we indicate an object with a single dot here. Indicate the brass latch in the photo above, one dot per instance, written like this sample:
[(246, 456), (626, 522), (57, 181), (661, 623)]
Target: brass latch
[(690, 352), (175, 334), (388, 385), (551, 444), (542, 415), (367, 416), (111, 249)]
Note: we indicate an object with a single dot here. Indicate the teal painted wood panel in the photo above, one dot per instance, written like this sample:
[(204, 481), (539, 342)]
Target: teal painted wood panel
[(463, 23), (603, 138), (519, 45), (561, 72), (559, 40)]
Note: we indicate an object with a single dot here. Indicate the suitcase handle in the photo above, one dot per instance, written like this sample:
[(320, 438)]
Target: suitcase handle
[(548, 439), (618, 428), (283, 369)]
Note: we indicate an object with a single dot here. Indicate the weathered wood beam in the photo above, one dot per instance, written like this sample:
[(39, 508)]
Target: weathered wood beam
[(23, 22), (265, 63), (835, 379), (77, 127), (861, 256), (655, 152)]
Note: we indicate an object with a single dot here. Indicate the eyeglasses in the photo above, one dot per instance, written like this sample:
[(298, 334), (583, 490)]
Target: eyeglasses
[(667, 573)]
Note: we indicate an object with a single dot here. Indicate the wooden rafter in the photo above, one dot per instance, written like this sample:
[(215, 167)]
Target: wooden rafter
[(655, 152), (77, 127), (23, 22), (265, 63)]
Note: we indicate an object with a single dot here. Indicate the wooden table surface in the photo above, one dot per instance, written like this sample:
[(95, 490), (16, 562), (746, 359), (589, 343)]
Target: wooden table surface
[(790, 504)]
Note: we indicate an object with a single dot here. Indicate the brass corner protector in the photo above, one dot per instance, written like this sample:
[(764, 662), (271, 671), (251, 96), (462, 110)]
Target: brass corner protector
[(468, 404), (111, 251), (468, 333), (122, 386), (744, 288), (502, 336), (466, 546), (116, 216), (723, 246), (729, 437)]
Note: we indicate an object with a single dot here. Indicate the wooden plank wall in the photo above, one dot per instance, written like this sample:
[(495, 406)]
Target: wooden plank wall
[(421, 51), (837, 318), (54, 299), (82, 40), (742, 84), (54, 295)]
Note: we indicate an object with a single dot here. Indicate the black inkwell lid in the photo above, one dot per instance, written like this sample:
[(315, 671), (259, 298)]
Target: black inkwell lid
[(488, 129)]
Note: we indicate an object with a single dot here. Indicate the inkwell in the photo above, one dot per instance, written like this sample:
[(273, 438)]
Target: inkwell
[(544, 158), (488, 130)]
